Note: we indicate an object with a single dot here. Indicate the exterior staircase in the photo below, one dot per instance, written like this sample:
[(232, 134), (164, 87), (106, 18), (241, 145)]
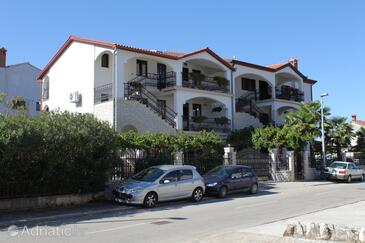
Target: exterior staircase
[(281, 176), (248, 105), (135, 90)]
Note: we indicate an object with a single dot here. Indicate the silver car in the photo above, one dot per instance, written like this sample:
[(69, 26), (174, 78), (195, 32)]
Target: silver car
[(161, 183), (346, 171)]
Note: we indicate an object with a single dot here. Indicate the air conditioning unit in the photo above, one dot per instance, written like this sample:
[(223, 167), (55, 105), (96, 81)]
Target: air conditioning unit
[(75, 97)]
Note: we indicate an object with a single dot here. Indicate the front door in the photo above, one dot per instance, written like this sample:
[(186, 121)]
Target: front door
[(186, 116), (161, 76), (186, 182), (264, 90)]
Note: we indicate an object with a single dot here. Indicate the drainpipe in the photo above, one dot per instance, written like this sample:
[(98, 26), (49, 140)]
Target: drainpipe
[(115, 90)]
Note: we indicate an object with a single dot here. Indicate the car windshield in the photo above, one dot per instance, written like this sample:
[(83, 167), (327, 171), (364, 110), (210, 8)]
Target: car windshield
[(337, 165), (149, 174), (219, 171)]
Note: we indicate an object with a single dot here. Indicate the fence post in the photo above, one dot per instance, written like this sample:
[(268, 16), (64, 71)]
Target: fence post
[(308, 171), (229, 157), (273, 159), (179, 158), (290, 155)]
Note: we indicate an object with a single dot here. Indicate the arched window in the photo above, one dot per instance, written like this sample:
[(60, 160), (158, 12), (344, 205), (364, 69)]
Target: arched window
[(105, 60)]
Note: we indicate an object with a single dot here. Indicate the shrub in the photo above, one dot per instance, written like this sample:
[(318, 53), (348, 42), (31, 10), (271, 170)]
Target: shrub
[(221, 81), (221, 120), (55, 153), (198, 119), (197, 78)]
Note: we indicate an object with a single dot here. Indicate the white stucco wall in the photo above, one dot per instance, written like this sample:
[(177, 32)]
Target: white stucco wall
[(73, 71), (104, 111), (20, 80)]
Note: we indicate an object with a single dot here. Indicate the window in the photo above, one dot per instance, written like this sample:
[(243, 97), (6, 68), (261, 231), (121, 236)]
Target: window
[(248, 84), (247, 172), (171, 176), (197, 109), (185, 74), (104, 97), (45, 94), (141, 68), (186, 175), (236, 173), (105, 60)]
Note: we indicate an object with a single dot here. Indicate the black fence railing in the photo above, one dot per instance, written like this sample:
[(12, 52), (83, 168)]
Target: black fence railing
[(103, 93), (155, 80), (247, 103), (290, 94), (201, 123), (209, 83), (136, 91)]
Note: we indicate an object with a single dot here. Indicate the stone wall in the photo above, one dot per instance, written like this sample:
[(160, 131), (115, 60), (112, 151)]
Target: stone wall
[(133, 113), (14, 204), (323, 231)]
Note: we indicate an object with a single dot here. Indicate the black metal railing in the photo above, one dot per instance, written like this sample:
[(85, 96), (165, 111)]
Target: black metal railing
[(193, 123), (103, 93), (289, 94), (156, 80), (209, 83), (136, 91), (247, 103)]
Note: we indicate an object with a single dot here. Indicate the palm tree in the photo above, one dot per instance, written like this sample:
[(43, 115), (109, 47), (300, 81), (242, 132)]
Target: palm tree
[(360, 141), (308, 117), (340, 133)]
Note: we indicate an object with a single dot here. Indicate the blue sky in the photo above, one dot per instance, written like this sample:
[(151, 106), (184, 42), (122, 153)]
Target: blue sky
[(326, 36)]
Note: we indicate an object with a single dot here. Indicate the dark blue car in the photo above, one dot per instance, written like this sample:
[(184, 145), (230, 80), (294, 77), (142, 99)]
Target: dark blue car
[(230, 178)]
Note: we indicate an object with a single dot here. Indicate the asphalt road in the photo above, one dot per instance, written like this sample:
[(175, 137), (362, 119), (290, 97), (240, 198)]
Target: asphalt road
[(185, 221)]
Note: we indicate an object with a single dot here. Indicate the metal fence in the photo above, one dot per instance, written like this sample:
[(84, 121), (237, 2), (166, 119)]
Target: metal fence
[(258, 161)]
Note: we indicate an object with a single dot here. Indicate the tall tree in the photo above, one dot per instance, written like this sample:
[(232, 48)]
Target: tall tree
[(340, 134), (360, 140)]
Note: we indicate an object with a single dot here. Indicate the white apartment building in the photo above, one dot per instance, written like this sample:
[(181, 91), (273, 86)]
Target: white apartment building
[(162, 91), (19, 80)]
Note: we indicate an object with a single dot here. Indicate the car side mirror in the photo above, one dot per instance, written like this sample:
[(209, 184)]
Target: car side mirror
[(164, 181)]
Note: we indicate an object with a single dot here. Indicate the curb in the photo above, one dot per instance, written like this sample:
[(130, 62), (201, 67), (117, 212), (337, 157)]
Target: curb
[(65, 215)]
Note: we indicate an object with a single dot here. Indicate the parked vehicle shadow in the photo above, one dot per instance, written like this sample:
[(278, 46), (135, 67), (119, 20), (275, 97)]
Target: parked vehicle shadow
[(107, 210)]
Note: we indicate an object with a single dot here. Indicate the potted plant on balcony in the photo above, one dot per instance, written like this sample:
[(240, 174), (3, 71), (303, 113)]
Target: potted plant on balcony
[(222, 121), (136, 85), (221, 81), (198, 119), (197, 78)]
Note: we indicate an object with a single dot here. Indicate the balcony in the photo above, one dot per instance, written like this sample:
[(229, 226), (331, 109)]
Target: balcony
[(289, 93), (200, 81), (103, 93), (202, 123)]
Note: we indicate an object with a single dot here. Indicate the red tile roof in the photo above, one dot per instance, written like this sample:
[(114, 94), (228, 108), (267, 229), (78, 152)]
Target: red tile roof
[(278, 65), (170, 55), (360, 123)]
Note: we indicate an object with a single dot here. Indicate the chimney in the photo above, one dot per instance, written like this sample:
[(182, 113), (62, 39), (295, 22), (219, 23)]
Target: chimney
[(2, 57), (294, 62), (353, 118)]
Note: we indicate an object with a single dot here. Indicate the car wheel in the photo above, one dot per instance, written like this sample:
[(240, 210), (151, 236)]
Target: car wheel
[(222, 193), (197, 194), (150, 200), (349, 179), (254, 188), (362, 177)]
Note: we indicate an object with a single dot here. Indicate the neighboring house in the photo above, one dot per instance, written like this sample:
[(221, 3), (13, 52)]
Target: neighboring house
[(19, 80), (162, 91), (356, 125)]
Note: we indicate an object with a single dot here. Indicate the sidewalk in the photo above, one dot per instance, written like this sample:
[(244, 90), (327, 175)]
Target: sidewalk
[(351, 215)]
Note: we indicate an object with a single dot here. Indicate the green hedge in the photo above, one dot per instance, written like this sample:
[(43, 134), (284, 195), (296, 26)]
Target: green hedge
[(54, 153)]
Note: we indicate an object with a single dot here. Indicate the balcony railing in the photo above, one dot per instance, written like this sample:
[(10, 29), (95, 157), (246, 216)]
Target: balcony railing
[(200, 123), (103, 93), (289, 93), (209, 83), (156, 80)]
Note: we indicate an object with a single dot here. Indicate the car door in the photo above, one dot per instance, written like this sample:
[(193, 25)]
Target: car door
[(246, 178), (351, 171), (186, 182), (357, 171), (235, 180), (169, 186)]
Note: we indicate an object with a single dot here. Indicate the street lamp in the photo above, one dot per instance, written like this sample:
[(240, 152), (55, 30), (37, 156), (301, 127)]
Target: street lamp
[(322, 128)]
